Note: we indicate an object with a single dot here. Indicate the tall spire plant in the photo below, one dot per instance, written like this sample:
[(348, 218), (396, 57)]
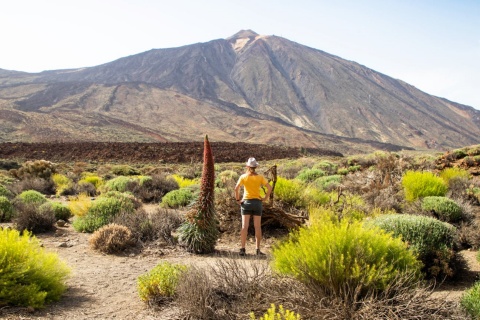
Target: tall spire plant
[(199, 233)]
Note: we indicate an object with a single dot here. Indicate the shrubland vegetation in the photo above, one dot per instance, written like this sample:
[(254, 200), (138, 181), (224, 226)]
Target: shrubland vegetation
[(362, 229)]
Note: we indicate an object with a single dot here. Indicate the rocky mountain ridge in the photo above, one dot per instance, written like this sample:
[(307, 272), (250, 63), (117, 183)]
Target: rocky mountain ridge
[(245, 88)]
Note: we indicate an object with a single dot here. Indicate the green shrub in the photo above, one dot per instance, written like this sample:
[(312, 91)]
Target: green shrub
[(429, 238), (92, 178), (313, 196), (344, 259), (124, 170), (117, 184), (282, 314), (328, 182), (327, 166), (6, 209), (309, 175), (30, 276), (459, 154), (128, 200), (470, 301), (354, 168), (32, 196), (177, 198), (449, 173), (62, 183), (446, 209), (342, 171), (225, 177), (152, 189), (60, 210), (101, 212), (160, 282), (5, 192), (422, 184), (289, 191)]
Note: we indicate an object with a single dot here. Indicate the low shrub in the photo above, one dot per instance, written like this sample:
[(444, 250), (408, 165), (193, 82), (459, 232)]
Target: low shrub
[(124, 170), (44, 186), (470, 301), (225, 178), (449, 173), (63, 184), (4, 192), (431, 239), (102, 211), (30, 277), (89, 177), (444, 208), (80, 204), (326, 166), (112, 238), (29, 216), (160, 283), (184, 182), (344, 259), (35, 169), (289, 191), (313, 196), (32, 196), (116, 184), (152, 189), (160, 224), (60, 210), (422, 184), (272, 314), (309, 175), (177, 198), (128, 200), (328, 183), (6, 209)]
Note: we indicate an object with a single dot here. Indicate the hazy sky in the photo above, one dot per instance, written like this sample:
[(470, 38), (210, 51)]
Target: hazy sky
[(433, 45)]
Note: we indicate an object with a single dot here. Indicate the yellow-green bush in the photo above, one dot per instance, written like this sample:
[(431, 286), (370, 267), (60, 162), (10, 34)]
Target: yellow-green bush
[(32, 197), (272, 314), (343, 258), (6, 209), (38, 168), (30, 276), (289, 191), (184, 182), (431, 239), (470, 301), (62, 183), (101, 212), (124, 170), (446, 209), (80, 204), (422, 184), (160, 282), (117, 184), (314, 197), (177, 198), (450, 173), (95, 180), (328, 182)]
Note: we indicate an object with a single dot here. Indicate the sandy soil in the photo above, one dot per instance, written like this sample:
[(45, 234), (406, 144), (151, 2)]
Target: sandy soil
[(104, 286)]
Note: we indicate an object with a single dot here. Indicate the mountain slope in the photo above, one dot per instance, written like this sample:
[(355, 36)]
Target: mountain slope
[(247, 87)]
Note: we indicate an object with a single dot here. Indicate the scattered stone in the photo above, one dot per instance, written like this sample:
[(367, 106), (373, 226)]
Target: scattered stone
[(61, 223)]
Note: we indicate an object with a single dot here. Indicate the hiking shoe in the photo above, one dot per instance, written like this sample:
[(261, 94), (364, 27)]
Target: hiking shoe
[(260, 253), (242, 252)]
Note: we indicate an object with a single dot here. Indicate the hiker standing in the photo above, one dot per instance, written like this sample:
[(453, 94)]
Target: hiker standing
[(251, 203)]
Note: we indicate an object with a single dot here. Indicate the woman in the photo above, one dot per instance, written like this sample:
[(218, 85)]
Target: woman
[(251, 204)]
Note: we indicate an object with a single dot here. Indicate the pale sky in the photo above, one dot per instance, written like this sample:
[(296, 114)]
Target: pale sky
[(433, 45)]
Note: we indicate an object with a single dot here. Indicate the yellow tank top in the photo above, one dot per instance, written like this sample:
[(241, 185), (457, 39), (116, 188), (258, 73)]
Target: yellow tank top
[(252, 185)]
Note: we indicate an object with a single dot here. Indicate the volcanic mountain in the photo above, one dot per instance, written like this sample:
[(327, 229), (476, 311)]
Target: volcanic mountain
[(245, 88)]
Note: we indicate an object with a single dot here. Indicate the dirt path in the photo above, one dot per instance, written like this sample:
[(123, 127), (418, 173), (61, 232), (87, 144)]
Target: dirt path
[(105, 286)]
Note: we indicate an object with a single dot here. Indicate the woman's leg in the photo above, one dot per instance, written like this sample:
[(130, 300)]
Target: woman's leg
[(257, 223), (244, 231)]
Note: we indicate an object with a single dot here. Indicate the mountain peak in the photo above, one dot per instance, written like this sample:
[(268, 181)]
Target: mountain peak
[(243, 34)]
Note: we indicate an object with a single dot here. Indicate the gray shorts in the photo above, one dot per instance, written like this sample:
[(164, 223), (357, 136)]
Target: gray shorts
[(251, 207)]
